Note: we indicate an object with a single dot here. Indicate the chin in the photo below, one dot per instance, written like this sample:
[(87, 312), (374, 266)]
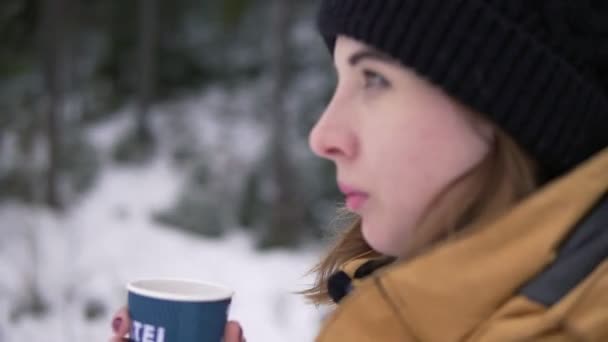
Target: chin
[(379, 240)]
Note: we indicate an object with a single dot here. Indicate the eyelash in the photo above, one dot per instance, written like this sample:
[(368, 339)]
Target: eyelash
[(375, 80)]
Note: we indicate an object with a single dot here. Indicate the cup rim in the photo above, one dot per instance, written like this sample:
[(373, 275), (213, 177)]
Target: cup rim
[(135, 287)]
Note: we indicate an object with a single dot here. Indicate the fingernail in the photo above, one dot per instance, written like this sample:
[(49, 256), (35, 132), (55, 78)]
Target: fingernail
[(116, 324)]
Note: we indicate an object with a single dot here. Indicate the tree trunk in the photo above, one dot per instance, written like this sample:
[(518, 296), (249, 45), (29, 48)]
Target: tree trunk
[(148, 39), (286, 212), (54, 43)]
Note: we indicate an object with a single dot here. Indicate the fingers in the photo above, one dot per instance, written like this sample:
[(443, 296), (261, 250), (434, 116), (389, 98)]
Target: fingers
[(233, 332), (121, 324)]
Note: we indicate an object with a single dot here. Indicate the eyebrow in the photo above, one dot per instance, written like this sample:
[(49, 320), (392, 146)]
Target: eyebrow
[(357, 57)]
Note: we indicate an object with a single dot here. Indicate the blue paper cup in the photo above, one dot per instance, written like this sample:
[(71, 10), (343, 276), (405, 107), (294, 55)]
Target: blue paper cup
[(176, 310)]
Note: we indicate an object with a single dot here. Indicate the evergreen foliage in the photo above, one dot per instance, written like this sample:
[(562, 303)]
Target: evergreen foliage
[(226, 45)]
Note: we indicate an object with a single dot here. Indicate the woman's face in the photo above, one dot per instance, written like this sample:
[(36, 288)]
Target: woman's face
[(396, 141)]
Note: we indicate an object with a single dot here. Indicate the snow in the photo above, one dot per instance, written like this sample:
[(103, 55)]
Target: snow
[(81, 260), (110, 239)]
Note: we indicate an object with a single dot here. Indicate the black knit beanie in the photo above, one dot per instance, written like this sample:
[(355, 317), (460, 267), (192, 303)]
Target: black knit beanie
[(537, 68)]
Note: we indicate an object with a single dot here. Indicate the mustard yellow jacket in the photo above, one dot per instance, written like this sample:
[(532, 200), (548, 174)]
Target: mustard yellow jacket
[(539, 273)]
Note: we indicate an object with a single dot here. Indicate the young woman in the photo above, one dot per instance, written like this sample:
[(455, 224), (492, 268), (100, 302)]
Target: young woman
[(469, 139)]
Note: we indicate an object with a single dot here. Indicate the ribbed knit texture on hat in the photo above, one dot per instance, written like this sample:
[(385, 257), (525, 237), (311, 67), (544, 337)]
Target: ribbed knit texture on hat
[(499, 58)]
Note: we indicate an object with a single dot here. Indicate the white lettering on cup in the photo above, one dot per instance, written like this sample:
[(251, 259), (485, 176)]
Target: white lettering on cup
[(136, 330), (160, 334), (147, 333)]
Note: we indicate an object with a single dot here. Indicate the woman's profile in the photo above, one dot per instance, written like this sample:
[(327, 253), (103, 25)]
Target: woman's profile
[(470, 142)]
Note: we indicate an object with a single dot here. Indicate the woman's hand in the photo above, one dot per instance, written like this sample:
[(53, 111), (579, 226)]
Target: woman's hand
[(234, 332), (121, 324)]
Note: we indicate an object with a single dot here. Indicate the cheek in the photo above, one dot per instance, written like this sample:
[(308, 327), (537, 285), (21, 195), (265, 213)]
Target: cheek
[(414, 157), (414, 147), (433, 141)]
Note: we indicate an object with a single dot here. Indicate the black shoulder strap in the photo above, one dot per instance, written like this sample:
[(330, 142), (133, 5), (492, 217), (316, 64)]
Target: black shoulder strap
[(578, 256)]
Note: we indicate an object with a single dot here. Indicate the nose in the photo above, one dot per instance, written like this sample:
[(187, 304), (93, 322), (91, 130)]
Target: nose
[(333, 136)]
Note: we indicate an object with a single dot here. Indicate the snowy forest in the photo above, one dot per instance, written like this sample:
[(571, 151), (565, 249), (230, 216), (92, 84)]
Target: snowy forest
[(157, 138)]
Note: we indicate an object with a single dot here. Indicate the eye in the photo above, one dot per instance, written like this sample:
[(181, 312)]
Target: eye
[(374, 80)]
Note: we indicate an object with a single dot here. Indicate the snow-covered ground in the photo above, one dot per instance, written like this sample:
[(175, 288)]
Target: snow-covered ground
[(109, 239), (81, 260)]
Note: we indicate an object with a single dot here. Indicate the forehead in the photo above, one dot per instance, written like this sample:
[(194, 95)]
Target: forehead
[(346, 46), (351, 52)]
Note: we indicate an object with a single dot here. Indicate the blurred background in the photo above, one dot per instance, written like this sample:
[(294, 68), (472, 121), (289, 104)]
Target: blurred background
[(159, 138)]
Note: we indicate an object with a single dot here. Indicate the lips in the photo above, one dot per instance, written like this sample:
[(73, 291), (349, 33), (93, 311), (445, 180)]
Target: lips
[(354, 198)]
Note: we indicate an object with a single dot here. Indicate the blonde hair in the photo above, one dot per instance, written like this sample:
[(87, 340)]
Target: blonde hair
[(504, 177)]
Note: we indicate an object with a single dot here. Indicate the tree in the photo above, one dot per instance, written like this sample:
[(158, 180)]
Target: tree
[(54, 35), (148, 39), (138, 145), (286, 210)]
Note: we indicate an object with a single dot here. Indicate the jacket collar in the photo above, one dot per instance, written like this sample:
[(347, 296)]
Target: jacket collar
[(459, 284)]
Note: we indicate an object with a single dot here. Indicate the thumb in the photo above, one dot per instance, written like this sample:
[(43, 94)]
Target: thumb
[(121, 323), (233, 332)]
